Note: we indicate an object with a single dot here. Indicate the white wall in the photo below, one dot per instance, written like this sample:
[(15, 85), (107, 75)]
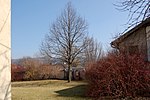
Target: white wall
[(148, 41), (5, 50)]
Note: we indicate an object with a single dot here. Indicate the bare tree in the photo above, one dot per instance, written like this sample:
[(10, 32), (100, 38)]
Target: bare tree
[(67, 38), (139, 10), (93, 52), (29, 62)]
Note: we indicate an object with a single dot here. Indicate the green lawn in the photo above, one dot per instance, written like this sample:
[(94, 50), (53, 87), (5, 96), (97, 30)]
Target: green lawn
[(48, 90)]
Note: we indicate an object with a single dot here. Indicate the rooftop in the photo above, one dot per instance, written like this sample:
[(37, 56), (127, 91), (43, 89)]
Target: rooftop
[(144, 23)]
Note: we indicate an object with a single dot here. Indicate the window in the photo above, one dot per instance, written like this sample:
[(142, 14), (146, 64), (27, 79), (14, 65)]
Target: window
[(133, 49)]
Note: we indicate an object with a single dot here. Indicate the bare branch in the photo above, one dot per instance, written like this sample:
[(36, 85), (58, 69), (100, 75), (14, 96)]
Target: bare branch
[(138, 10)]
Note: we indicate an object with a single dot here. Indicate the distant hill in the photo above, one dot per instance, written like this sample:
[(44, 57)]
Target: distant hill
[(15, 61), (40, 59)]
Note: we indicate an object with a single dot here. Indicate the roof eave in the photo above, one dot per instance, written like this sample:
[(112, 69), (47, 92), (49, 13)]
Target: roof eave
[(115, 43)]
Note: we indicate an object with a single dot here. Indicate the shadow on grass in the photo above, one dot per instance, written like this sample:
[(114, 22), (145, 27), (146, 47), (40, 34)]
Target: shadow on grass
[(77, 91)]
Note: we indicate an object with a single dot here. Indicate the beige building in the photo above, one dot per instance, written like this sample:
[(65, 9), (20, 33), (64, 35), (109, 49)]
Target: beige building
[(5, 50), (136, 40)]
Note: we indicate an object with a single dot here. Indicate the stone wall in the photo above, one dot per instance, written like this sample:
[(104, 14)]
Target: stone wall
[(5, 50), (138, 38), (148, 41)]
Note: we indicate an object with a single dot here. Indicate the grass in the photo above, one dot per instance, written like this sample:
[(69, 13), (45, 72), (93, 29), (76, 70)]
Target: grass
[(49, 90)]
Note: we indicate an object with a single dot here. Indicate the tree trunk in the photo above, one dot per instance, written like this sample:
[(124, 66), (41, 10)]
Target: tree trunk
[(69, 73)]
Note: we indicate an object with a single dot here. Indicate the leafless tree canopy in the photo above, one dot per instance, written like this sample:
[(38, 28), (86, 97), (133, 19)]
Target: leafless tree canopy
[(138, 10), (67, 37), (94, 51)]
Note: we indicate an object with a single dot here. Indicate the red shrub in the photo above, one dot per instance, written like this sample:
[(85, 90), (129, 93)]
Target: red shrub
[(118, 75), (17, 72)]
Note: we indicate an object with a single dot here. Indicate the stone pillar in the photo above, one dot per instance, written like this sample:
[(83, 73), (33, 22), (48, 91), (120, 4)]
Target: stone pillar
[(5, 50)]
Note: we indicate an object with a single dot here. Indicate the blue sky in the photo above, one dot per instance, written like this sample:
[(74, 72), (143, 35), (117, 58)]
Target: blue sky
[(31, 20)]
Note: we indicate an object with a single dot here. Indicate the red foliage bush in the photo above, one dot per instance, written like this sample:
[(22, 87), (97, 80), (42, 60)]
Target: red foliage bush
[(17, 72), (118, 75), (35, 72)]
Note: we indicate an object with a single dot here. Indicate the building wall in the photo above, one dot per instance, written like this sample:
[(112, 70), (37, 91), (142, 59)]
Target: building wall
[(138, 38), (148, 41), (5, 59)]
